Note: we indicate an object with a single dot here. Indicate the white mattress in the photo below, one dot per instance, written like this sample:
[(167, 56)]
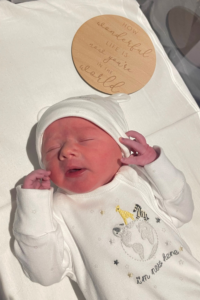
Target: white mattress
[(36, 70)]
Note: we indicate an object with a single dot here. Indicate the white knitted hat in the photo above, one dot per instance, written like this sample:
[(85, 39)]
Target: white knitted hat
[(105, 112)]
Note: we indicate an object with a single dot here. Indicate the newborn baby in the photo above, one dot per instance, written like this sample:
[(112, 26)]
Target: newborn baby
[(111, 226), (81, 156)]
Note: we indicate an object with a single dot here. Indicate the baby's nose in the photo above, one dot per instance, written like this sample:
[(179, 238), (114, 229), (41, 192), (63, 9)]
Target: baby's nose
[(68, 149)]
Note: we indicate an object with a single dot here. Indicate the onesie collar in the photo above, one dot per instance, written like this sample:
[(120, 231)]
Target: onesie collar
[(100, 190)]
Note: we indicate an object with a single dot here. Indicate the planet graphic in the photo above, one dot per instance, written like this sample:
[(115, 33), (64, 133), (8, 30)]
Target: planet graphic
[(138, 238)]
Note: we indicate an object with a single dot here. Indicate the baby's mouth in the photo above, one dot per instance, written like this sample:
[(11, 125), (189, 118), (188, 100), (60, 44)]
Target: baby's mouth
[(75, 172)]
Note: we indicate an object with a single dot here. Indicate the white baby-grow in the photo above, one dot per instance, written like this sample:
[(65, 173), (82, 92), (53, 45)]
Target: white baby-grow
[(36, 70)]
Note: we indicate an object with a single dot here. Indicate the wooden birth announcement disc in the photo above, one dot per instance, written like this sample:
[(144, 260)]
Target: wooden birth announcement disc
[(113, 54)]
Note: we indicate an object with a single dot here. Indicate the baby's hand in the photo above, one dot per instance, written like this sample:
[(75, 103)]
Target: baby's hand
[(38, 179), (142, 154)]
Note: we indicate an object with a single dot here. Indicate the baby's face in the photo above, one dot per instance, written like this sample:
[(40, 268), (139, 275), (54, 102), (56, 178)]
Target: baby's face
[(80, 155)]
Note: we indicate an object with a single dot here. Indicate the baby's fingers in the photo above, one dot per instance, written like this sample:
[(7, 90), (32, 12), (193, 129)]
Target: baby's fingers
[(38, 174), (46, 178), (32, 181), (133, 145), (132, 160), (137, 136), (45, 185)]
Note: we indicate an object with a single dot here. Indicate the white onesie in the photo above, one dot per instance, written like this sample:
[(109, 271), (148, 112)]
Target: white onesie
[(118, 242)]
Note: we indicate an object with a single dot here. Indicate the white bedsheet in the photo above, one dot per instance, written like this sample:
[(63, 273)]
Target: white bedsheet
[(36, 70)]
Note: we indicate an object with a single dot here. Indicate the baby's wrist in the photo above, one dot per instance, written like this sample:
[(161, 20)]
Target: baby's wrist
[(25, 186), (154, 157)]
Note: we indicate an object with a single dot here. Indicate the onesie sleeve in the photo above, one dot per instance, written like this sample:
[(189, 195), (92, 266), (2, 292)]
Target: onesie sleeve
[(39, 244), (170, 188)]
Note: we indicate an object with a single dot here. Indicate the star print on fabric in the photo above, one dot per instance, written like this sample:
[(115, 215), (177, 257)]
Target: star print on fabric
[(181, 262), (181, 249), (157, 220), (102, 212), (167, 243), (112, 241), (130, 275), (116, 262)]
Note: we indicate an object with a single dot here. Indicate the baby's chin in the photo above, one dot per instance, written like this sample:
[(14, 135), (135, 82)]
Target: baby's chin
[(78, 190), (83, 189)]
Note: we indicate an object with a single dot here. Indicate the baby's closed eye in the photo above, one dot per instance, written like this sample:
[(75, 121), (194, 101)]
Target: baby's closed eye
[(86, 140), (52, 149)]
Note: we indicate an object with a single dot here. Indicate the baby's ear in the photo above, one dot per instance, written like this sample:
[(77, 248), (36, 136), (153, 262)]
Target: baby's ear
[(41, 112), (120, 97)]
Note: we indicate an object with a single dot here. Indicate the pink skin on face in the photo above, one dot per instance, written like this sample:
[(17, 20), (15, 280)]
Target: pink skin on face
[(71, 144)]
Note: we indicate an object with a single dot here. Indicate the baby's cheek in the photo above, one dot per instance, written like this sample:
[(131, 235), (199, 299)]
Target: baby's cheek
[(44, 160), (49, 160), (57, 177), (49, 167)]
